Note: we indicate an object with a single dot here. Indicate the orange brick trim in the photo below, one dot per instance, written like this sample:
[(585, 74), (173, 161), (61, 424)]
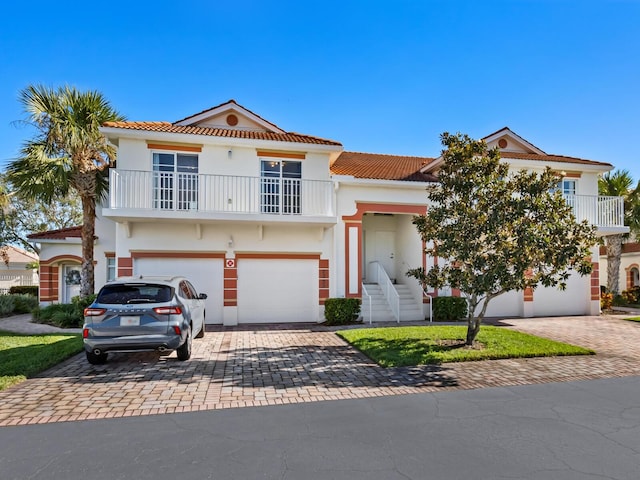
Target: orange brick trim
[(61, 258), (323, 280), (455, 292), (629, 274), (110, 254), (164, 254), (595, 281), (230, 274), (362, 208), (49, 283), (276, 154), (279, 256), (125, 266), (179, 148), (528, 294)]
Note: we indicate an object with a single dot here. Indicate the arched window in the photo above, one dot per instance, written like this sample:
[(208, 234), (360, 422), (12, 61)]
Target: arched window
[(635, 277)]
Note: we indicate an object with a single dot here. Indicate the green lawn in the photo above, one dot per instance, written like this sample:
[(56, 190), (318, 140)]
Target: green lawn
[(633, 319), (22, 356), (404, 346)]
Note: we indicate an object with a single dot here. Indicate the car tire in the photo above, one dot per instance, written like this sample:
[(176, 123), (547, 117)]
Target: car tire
[(184, 350), (94, 359)]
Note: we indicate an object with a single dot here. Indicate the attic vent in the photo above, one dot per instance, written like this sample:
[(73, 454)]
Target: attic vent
[(502, 143), (232, 120)]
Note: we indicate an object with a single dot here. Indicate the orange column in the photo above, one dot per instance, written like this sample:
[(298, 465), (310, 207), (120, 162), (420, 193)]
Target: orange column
[(230, 282), (323, 285)]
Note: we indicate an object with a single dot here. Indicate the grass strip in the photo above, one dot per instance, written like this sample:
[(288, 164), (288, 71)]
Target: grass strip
[(405, 346), (23, 356)]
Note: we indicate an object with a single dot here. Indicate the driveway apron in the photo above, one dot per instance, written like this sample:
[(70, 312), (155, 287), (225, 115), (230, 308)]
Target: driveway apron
[(254, 366)]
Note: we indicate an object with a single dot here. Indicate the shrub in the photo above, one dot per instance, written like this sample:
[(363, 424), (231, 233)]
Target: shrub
[(24, 303), (632, 295), (341, 311), (606, 301), (64, 315), (447, 309), (7, 305), (24, 290), (618, 300)]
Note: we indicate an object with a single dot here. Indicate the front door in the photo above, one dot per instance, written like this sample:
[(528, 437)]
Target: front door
[(385, 247), (71, 282)]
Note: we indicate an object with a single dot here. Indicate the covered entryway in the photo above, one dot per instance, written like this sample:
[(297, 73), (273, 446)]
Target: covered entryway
[(206, 275), (277, 290)]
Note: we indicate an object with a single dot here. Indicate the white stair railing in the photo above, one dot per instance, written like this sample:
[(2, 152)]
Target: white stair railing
[(366, 305), (388, 290)]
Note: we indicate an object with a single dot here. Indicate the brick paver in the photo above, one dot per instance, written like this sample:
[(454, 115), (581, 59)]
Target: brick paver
[(241, 367)]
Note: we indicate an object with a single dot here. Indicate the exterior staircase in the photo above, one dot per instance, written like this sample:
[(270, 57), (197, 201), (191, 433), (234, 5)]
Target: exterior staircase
[(410, 310)]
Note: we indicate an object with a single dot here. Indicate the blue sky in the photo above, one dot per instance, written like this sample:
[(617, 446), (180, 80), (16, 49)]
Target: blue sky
[(383, 77)]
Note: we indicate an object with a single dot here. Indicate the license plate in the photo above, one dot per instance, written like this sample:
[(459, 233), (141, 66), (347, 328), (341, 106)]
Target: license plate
[(129, 321)]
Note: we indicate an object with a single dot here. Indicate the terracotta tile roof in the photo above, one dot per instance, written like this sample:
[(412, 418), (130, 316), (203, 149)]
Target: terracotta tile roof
[(59, 234), (551, 158), (221, 132), (383, 167)]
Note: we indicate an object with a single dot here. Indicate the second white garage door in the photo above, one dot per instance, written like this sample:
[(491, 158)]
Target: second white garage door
[(277, 291), (206, 274)]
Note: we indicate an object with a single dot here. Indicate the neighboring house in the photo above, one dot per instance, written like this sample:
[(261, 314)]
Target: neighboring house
[(270, 223), (17, 271), (629, 266)]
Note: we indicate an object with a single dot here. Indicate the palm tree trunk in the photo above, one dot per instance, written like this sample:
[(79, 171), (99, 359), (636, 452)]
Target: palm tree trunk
[(87, 284), (614, 253)]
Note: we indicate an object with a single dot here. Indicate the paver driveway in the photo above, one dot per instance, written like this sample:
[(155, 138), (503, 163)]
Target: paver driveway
[(266, 366)]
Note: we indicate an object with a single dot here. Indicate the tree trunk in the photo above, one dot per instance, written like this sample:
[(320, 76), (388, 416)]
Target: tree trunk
[(473, 327), (87, 282), (614, 253)]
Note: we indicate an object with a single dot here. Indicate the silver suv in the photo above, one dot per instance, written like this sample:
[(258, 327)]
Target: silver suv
[(143, 313)]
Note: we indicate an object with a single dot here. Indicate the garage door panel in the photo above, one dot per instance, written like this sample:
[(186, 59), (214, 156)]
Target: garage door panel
[(277, 291), (206, 275)]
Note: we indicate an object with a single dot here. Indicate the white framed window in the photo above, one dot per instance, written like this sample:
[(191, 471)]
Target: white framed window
[(281, 187), (568, 186), (175, 181), (111, 268)]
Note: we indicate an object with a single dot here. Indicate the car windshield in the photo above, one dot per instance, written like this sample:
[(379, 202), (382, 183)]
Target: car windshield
[(134, 293)]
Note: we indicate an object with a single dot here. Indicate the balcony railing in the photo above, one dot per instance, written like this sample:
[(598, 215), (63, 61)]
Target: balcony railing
[(175, 191), (597, 210)]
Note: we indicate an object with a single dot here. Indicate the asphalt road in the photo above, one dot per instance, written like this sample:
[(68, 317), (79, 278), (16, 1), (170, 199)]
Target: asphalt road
[(560, 431)]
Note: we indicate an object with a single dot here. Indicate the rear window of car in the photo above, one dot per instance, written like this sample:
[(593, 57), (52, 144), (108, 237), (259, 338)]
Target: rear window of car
[(134, 293)]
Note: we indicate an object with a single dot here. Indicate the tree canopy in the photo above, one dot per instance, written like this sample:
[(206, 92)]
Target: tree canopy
[(497, 230), (67, 153)]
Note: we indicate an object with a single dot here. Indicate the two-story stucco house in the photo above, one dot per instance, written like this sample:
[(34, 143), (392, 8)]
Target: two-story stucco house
[(270, 223)]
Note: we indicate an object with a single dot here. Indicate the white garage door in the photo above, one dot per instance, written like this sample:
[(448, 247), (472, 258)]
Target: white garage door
[(206, 274), (277, 291)]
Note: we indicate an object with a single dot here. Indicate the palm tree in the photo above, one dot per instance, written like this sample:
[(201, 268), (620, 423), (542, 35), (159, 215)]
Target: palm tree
[(67, 153), (620, 184)]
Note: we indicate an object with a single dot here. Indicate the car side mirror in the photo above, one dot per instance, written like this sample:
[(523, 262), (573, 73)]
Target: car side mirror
[(202, 296)]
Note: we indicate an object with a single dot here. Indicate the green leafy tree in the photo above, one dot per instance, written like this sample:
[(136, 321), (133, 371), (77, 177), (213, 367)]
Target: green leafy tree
[(500, 230), (67, 153), (620, 184), (22, 216)]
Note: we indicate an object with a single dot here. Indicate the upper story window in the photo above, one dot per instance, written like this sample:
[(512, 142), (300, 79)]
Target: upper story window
[(111, 268), (175, 181), (280, 187), (567, 186)]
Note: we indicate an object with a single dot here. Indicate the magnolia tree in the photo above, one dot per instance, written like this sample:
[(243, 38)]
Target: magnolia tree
[(500, 230)]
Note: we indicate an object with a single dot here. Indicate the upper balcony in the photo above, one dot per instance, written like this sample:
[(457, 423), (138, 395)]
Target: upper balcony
[(606, 213), (144, 195)]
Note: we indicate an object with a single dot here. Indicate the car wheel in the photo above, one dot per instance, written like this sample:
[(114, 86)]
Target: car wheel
[(96, 359), (184, 350)]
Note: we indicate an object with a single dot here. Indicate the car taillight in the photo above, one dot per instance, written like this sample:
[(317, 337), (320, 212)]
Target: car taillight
[(85, 333), (168, 310), (177, 330), (94, 312)]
